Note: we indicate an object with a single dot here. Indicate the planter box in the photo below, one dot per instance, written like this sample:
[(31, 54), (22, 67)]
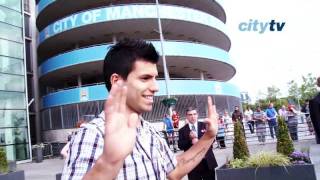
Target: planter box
[(17, 175), (294, 172)]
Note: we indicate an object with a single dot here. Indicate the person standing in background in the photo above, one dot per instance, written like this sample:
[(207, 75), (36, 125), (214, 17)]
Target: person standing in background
[(314, 106), (260, 119), (272, 120), (168, 126), (283, 112), (248, 117), (292, 115), (175, 119), (306, 110), (228, 124), (221, 133), (237, 116)]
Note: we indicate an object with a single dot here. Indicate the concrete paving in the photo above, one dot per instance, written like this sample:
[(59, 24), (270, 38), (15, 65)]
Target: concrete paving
[(315, 158), (47, 169)]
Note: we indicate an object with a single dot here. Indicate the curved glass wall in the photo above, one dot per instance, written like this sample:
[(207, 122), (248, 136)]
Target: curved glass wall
[(14, 134)]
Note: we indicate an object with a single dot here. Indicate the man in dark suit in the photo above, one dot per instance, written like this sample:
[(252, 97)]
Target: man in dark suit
[(314, 107), (189, 135)]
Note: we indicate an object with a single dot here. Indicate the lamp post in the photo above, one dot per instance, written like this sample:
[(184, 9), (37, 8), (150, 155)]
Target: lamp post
[(168, 101), (166, 74)]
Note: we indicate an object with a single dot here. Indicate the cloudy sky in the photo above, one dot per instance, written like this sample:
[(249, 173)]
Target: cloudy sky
[(273, 58)]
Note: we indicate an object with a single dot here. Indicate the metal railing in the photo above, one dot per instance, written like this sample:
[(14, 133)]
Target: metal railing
[(303, 133), (53, 149)]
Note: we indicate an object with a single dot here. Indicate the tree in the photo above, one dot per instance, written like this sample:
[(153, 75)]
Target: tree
[(293, 89), (240, 147), (284, 141), (308, 88), (273, 92)]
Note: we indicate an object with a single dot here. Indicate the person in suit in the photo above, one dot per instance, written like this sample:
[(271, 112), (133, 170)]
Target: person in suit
[(189, 134), (314, 107)]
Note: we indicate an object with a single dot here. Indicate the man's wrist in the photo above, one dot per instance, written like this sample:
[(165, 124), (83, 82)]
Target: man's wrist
[(104, 169)]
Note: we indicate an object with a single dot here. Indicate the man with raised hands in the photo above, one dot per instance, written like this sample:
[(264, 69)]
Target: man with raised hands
[(119, 144)]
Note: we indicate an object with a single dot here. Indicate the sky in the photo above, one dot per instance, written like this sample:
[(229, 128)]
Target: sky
[(273, 57)]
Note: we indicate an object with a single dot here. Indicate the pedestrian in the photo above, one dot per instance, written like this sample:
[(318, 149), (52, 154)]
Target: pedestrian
[(221, 133), (306, 110), (175, 119), (272, 114), (314, 106), (292, 115), (237, 116), (169, 129), (228, 123), (283, 113), (260, 120), (248, 117)]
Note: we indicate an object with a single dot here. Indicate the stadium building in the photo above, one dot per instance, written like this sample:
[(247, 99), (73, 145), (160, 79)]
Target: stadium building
[(74, 37)]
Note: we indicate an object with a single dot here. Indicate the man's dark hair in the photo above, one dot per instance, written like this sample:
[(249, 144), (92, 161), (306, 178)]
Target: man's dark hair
[(122, 56), (190, 108)]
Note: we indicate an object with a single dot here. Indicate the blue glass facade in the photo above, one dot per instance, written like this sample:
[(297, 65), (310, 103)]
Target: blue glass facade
[(14, 130)]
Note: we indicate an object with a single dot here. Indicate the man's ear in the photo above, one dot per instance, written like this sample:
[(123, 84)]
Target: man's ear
[(114, 78)]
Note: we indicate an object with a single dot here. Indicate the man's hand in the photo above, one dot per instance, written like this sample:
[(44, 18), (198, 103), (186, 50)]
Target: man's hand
[(120, 135), (194, 140), (212, 120), (120, 126), (192, 135)]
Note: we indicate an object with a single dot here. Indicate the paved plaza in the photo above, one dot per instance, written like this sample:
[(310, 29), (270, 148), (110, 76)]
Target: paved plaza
[(47, 169)]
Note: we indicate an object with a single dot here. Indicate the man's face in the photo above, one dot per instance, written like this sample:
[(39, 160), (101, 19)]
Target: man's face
[(192, 116), (142, 86)]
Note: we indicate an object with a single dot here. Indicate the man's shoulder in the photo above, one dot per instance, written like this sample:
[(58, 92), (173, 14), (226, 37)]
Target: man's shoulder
[(201, 124), (184, 127), (96, 124), (149, 127), (316, 98)]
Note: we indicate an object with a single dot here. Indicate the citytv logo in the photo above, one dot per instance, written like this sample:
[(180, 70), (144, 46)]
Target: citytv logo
[(261, 27)]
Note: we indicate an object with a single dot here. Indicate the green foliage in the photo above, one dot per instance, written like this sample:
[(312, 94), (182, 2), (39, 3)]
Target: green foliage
[(284, 141), (266, 159), (277, 103), (237, 163), (305, 91), (262, 159), (246, 105), (273, 93), (3, 161), (240, 147), (308, 88), (293, 89)]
